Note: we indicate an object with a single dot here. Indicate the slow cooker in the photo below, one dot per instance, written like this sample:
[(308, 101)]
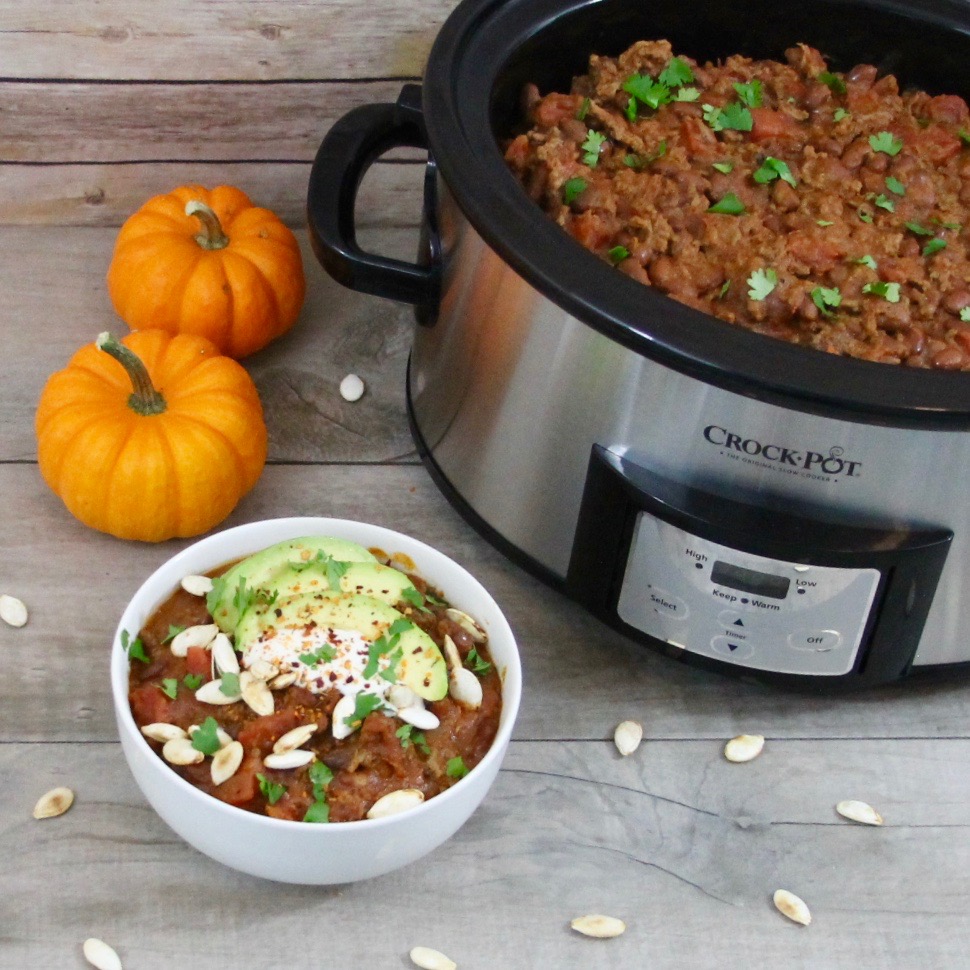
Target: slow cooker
[(736, 501)]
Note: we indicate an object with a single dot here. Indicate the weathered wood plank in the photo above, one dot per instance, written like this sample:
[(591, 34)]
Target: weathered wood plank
[(214, 40), (581, 678), (85, 122), (684, 847), (105, 195), (56, 300)]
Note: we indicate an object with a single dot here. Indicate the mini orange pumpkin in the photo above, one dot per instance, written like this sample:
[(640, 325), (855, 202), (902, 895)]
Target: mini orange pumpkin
[(150, 438), (209, 263)]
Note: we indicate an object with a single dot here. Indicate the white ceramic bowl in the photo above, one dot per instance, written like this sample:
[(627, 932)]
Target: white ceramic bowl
[(298, 852)]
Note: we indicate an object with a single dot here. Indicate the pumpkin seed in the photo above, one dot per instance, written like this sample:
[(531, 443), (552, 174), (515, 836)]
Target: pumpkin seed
[(179, 751), (160, 731), (428, 959), (627, 737), (294, 739), (193, 636), (400, 695), (417, 716), (287, 760), (344, 709), (264, 670), (465, 688), (859, 812), (100, 955), (396, 801), (13, 612), (467, 624), (197, 585), (790, 905), (596, 925), (56, 802), (226, 762), (211, 693), (351, 388), (745, 747), (283, 680), (256, 694), (223, 655)]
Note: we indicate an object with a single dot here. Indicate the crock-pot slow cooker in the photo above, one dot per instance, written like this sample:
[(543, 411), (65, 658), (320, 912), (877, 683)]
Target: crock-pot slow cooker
[(738, 501)]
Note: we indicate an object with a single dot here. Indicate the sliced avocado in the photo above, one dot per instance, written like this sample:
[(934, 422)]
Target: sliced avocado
[(234, 590), (421, 666), (368, 578)]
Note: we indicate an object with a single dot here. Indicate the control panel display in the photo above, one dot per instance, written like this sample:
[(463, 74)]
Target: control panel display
[(739, 607)]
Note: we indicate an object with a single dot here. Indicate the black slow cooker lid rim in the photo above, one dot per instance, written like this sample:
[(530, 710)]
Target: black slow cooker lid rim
[(467, 58)]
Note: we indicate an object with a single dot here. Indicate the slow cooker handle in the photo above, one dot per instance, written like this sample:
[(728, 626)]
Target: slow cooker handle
[(347, 152)]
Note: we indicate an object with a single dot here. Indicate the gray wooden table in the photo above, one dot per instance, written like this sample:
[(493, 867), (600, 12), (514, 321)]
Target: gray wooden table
[(104, 103)]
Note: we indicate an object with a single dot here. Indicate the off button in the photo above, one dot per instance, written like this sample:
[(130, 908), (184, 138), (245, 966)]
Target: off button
[(818, 641), (667, 605)]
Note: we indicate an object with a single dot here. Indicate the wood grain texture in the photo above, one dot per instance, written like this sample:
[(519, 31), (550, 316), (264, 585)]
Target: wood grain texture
[(214, 40), (684, 847)]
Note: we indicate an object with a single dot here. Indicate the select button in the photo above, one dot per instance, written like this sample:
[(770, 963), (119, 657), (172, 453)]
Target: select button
[(818, 641), (667, 605)]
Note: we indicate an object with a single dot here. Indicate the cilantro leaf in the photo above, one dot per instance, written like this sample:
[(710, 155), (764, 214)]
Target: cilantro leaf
[(583, 110), (884, 202), (888, 291), (687, 94), (173, 632), (618, 253), (206, 739), (934, 246), (895, 186), (867, 260), (571, 188), (389, 673), (676, 73), (965, 314), (722, 292), (592, 147), (827, 300), (272, 791), (885, 142), (824, 223), (169, 687), (733, 115), (456, 767), (323, 654), (761, 282), (964, 136), (214, 596), (839, 114), (320, 775), (318, 812), (134, 648), (408, 735), (730, 205), (832, 81), (723, 167), (774, 168), (413, 596), (749, 93), (193, 681), (364, 704), (474, 661), (647, 91), (229, 684), (918, 229)]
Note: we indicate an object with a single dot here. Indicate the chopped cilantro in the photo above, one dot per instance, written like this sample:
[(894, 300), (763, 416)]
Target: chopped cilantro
[(934, 246), (955, 226), (749, 93), (632, 160), (456, 767), (134, 648), (320, 776), (333, 568), (245, 597), (774, 168), (722, 292), (618, 253), (583, 110), (323, 654), (888, 291), (645, 90), (270, 789), (827, 300), (592, 147), (631, 109), (885, 142), (686, 94), (364, 704), (193, 681), (476, 664), (730, 205), (229, 684), (169, 687), (918, 229), (214, 596), (965, 314), (867, 260), (318, 812), (863, 215), (173, 632), (571, 188), (832, 81), (408, 736), (964, 136), (723, 167), (676, 73), (895, 186), (824, 223), (884, 202), (389, 673), (206, 739), (839, 114), (413, 596), (761, 282), (734, 116)]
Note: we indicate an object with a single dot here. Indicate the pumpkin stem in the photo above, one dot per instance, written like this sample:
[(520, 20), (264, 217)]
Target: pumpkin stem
[(212, 236), (145, 399)]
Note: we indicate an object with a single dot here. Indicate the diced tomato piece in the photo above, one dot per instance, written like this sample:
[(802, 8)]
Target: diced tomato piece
[(264, 731), (698, 138), (517, 154), (198, 661), (149, 705), (937, 145), (554, 108), (242, 787), (590, 229), (770, 125)]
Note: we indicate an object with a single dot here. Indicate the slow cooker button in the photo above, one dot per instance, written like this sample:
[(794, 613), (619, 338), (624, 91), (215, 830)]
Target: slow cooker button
[(666, 604), (731, 648), (818, 641)]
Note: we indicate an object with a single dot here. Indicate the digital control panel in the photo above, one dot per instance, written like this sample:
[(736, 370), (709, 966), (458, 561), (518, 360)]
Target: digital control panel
[(742, 608)]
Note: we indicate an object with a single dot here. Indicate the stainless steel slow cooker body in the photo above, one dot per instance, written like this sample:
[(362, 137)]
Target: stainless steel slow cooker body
[(743, 503)]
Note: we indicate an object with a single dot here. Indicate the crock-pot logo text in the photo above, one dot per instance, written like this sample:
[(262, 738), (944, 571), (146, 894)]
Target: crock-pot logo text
[(815, 464)]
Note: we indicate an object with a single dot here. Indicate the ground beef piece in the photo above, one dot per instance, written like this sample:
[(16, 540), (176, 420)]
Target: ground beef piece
[(701, 179)]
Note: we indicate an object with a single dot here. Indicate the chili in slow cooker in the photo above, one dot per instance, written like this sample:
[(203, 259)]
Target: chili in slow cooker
[(828, 209)]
